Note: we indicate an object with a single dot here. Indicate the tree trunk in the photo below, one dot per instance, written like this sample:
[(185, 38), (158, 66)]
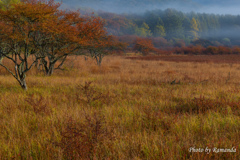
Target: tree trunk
[(50, 69), (99, 60), (23, 84)]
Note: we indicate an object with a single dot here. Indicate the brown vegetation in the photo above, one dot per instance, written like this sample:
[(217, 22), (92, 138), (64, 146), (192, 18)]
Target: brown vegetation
[(210, 50), (125, 109), (231, 59)]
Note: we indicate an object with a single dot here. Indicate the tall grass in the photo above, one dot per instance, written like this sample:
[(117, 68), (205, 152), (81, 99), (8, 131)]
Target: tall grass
[(126, 109)]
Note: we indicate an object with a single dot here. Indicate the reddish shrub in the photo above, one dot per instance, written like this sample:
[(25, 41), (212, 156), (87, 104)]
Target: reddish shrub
[(211, 50), (162, 52), (160, 42), (235, 50), (224, 50), (143, 45)]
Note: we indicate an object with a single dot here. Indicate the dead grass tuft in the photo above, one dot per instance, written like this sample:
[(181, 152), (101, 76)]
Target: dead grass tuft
[(91, 95), (85, 140), (39, 104), (203, 105)]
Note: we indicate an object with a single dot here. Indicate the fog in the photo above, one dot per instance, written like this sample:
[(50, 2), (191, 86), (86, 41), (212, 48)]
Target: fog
[(214, 29), (141, 6), (216, 9)]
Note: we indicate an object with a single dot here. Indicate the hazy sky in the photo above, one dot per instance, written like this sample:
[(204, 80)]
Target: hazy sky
[(219, 6), (120, 6)]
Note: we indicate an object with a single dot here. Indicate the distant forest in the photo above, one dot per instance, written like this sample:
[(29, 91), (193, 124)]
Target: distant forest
[(175, 27)]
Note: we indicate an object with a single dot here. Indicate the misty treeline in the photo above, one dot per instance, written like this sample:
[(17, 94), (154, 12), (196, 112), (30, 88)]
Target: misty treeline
[(176, 26)]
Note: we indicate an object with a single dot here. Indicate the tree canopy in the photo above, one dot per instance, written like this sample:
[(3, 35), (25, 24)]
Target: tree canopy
[(40, 29)]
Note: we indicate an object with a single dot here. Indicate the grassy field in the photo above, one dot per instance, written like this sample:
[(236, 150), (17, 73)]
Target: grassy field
[(126, 109)]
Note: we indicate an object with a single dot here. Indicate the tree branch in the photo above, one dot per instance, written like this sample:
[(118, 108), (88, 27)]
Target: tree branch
[(60, 65), (9, 71)]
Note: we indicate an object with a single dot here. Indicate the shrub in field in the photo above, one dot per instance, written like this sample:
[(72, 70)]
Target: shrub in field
[(143, 45), (178, 50), (154, 119), (197, 49), (90, 95), (85, 140), (224, 50), (39, 105), (203, 105), (211, 50), (189, 50), (236, 50), (162, 52), (160, 42), (179, 43)]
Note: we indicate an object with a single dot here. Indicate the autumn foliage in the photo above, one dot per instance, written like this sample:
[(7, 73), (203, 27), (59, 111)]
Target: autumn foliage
[(210, 50), (143, 45), (40, 29), (20, 28), (99, 43)]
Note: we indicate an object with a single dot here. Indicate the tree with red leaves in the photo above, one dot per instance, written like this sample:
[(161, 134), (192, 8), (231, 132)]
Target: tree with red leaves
[(104, 46), (99, 43), (144, 46), (38, 28), (18, 25)]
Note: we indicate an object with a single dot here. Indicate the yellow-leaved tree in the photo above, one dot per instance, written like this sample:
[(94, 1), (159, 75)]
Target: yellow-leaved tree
[(194, 29), (5, 4)]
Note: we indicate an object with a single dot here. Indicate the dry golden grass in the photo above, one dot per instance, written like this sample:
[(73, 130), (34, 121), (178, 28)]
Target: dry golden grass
[(132, 109)]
